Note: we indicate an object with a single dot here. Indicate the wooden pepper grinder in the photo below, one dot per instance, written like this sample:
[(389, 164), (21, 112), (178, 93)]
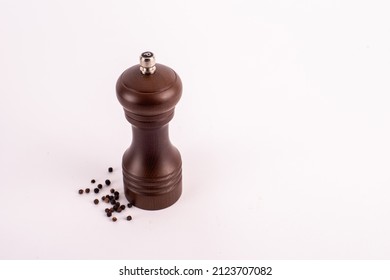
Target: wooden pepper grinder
[(151, 165)]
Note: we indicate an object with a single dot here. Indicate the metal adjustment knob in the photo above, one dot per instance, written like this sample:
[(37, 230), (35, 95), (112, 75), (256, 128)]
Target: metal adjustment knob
[(147, 63)]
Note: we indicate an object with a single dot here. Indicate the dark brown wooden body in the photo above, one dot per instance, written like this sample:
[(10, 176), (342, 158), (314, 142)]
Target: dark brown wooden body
[(152, 169)]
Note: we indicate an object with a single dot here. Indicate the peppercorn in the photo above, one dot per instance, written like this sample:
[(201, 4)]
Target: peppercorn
[(110, 169), (112, 191), (116, 193), (108, 214), (87, 190), (129, 218), (114, 219), (93, 181), (96, 190), (129, 205), (118, 209), (106, 210), (112, 201), (100, 186), (123, 207), (81, 191), (96, 201), (106, 200), (108, 182)]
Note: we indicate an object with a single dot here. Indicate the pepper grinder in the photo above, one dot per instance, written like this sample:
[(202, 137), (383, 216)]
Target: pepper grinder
[(152, 166)]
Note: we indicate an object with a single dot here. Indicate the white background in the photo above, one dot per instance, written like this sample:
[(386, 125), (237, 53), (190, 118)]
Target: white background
[(283, 128)]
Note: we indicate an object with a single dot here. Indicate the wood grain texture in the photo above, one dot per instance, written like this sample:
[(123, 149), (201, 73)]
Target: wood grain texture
[(152, 166)]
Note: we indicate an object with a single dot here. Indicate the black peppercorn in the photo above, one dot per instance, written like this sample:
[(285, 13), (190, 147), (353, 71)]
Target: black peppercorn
[(114, 219), (96, 190), (81, 191), (96, 201), (87, 190), (112, 191), (129, 205), (106, 210), (116, 193), (110, 169), (108, 182), (129, 218), (106, 200), (108, 214), (123, 207), (93, 181), (119, 210), (100, 186)]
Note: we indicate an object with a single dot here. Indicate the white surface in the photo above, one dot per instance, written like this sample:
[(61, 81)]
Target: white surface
[(283, 128)]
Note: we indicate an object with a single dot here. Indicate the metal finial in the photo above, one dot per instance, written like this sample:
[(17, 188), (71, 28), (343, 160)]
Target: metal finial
[(147, 63)]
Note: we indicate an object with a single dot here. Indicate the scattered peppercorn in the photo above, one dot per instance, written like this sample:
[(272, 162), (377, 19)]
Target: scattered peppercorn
[(113, 199)]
